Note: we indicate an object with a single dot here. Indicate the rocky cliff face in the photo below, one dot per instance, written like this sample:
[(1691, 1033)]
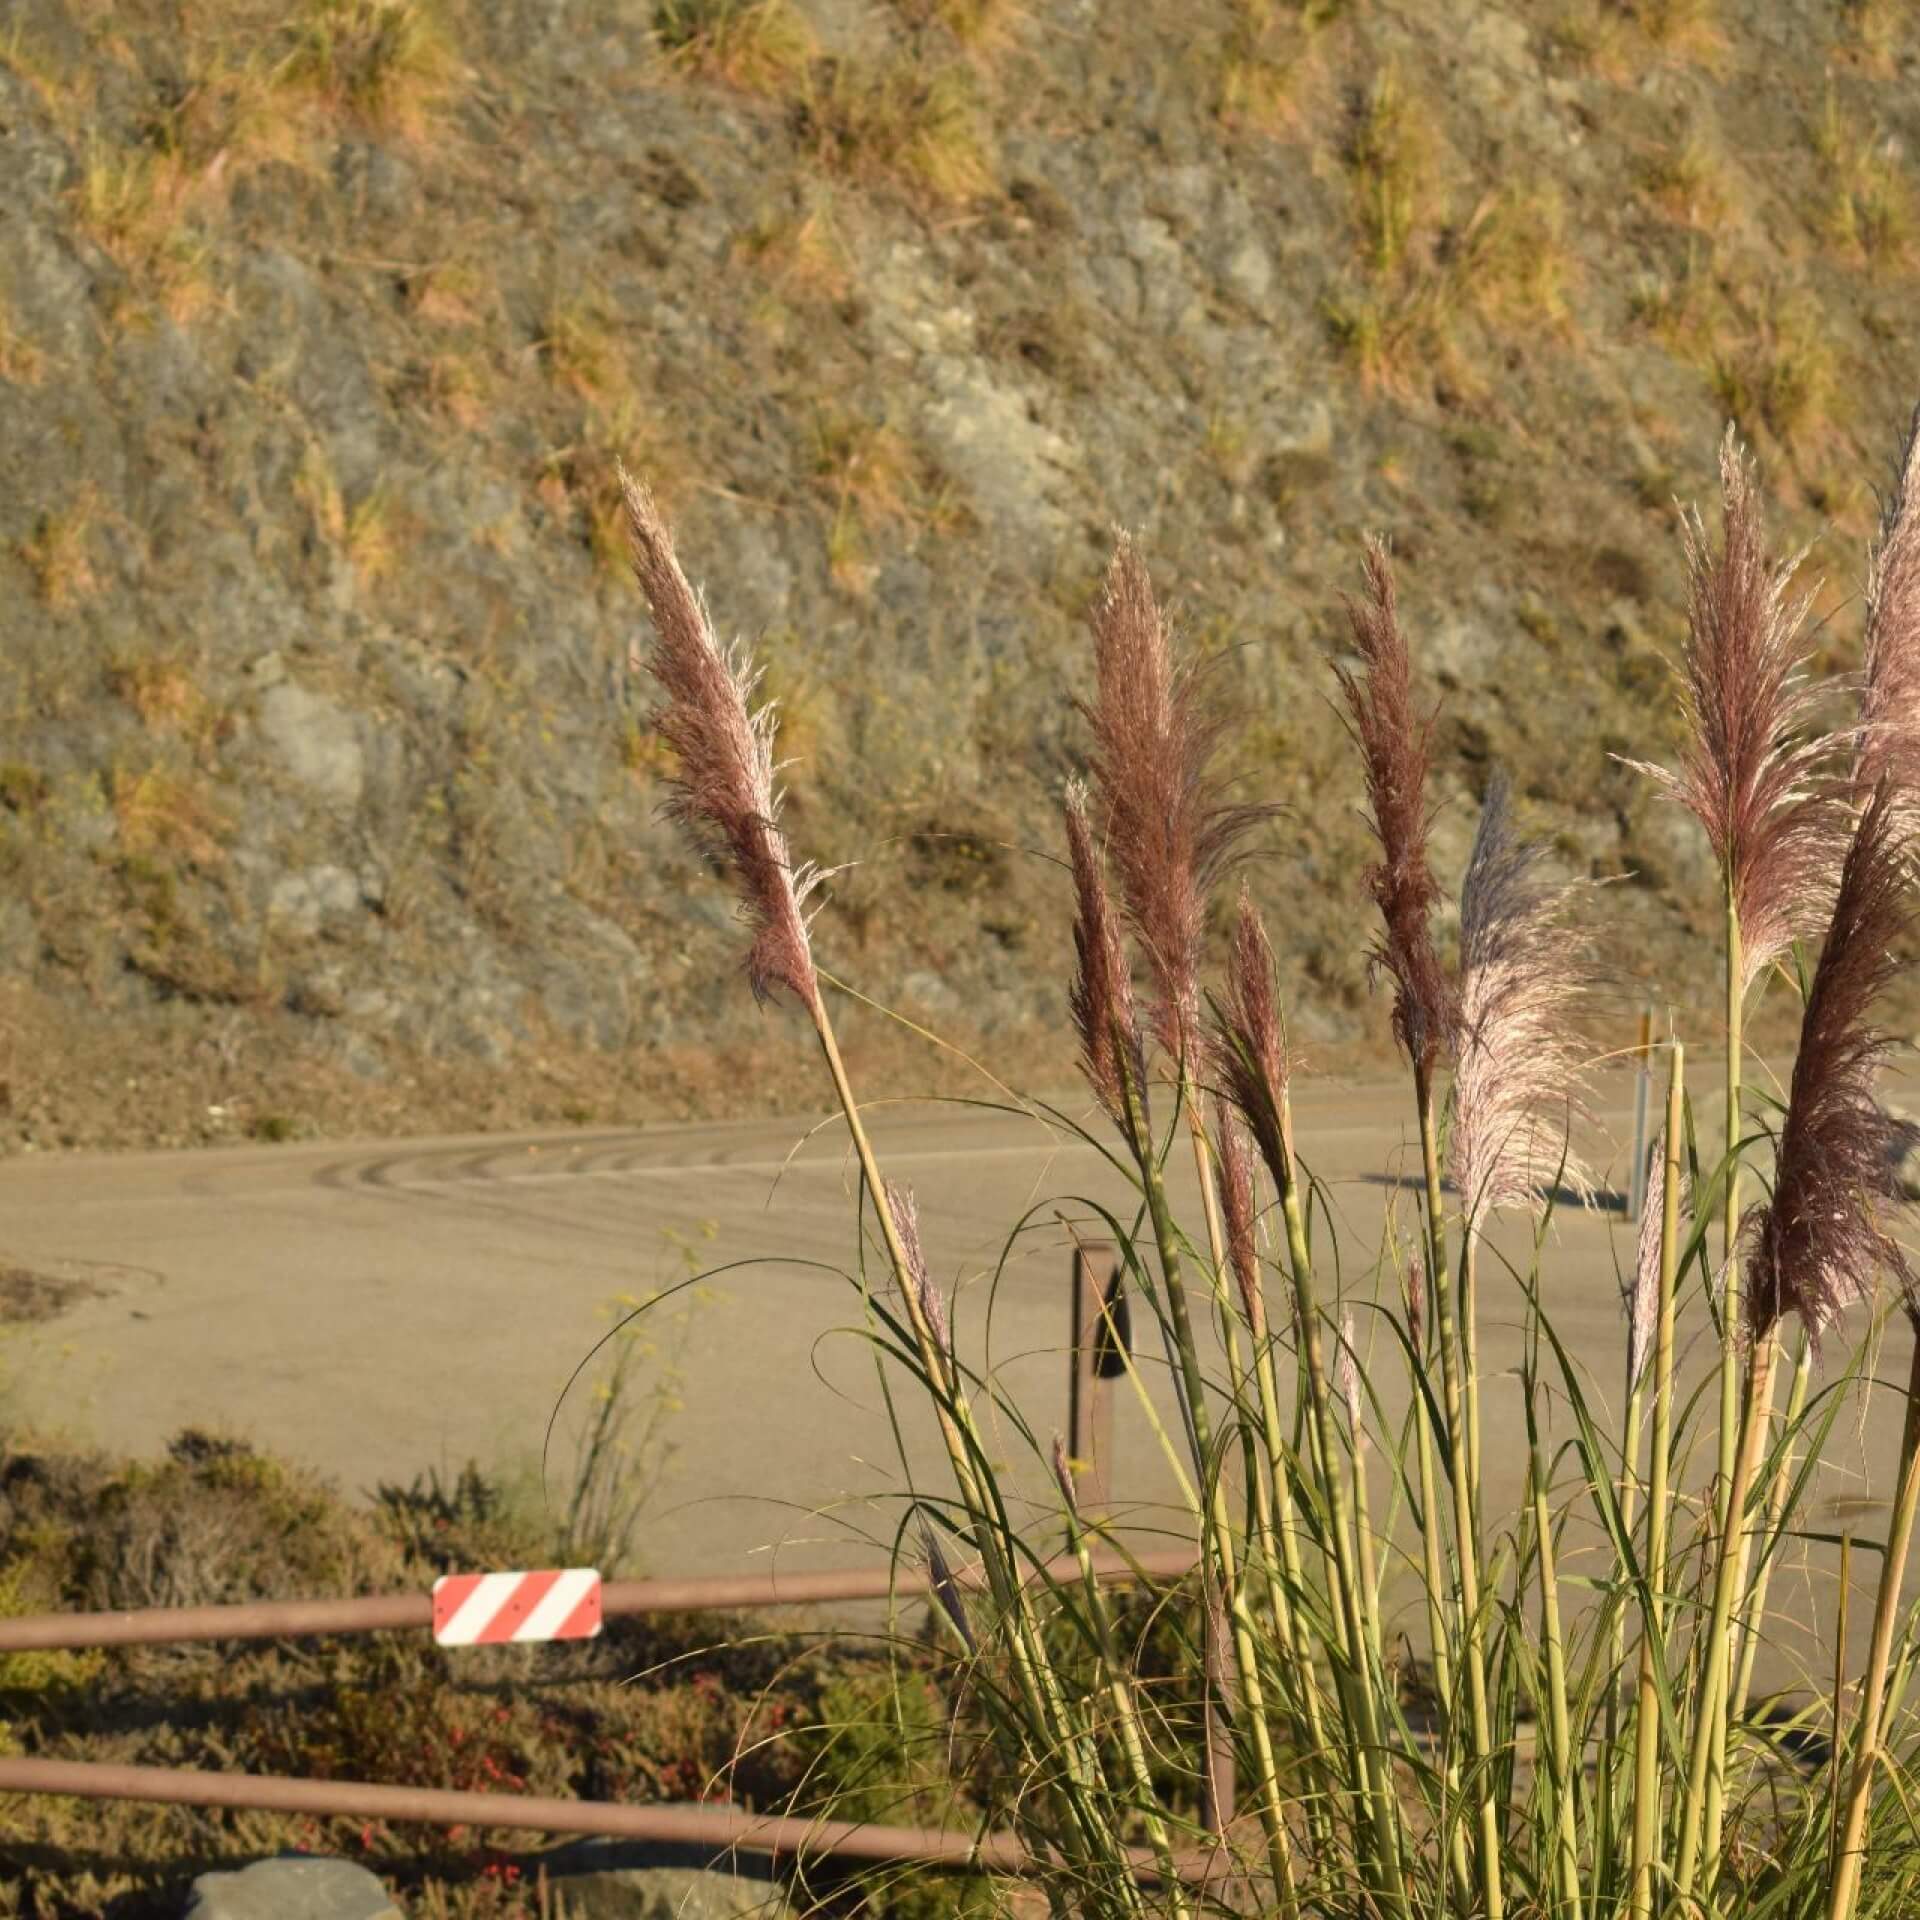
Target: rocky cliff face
[(325, 800)]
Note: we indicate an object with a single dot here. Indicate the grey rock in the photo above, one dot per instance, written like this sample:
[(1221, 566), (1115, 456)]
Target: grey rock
[(300, 903), (924, 989), (315, 740), (1248, 270), (648, 1880), (292, 1888), (985, 435), (336, 890), (292, 909)]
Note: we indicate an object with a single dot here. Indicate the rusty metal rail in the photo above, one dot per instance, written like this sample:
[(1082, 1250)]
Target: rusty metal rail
[(296, 1619), (718, 1829)]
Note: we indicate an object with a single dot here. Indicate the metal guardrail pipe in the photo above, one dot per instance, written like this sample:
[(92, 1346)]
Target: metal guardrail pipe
[(718, 1829), (296, 1619)]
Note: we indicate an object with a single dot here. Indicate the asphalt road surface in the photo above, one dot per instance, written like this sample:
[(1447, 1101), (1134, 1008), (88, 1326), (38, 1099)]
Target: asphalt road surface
[(379, 1309)]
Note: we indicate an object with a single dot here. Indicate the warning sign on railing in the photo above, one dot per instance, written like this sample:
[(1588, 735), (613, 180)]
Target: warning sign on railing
[(494, 1609)]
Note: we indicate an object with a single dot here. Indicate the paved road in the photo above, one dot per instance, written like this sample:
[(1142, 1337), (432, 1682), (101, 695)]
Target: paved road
[(377, 1309)]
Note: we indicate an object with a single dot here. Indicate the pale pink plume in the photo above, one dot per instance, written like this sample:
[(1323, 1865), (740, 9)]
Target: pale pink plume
[(1518, 1079), (1889, 741), (1170, 830), (1818, 1246), (933, 1306), (1754, 775), (724, 792), (1643, 1289), (1396, 749), (1101, 999), (1063, 1474), (1346, 1370)]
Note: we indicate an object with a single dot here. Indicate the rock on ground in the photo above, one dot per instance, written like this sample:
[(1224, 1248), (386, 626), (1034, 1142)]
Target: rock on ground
[(293, 1888), (642, 1880)]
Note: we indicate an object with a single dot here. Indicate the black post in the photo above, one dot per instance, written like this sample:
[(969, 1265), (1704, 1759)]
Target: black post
[(1100, 1337)]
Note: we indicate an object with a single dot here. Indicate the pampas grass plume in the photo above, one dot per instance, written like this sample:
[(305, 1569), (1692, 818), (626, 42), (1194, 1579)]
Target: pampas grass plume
[(1818, 1245), (1251, 1050), (1518, 1079), (724, 792), (1170, 830), (933, 1306), (1890, 696), (1234, 1176), (1751, 777), (1396, 749), (1101, 998)]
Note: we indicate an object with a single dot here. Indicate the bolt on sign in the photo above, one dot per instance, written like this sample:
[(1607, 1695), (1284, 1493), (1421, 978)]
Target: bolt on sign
[(498, 1609)]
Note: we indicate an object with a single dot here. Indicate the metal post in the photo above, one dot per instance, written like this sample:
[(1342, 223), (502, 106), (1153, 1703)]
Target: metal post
[(1100, 1337)]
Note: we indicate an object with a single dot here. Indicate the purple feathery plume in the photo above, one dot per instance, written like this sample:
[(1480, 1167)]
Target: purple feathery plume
[(1518, 1079), (1251, 1049), (1643, 1290), (946, 1589), (1234, 1178), (1397, 749), (1749, 777), (1170, 831), (1889, 739), (724, 793), (933, 1307), (1111, 1055), (1817, 1246)]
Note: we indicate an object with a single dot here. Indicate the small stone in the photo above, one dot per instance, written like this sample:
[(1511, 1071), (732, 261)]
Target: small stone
[(295, 1887)]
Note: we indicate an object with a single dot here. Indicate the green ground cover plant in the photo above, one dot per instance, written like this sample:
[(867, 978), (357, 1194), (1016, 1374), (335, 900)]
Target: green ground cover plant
[(1572, 1747)]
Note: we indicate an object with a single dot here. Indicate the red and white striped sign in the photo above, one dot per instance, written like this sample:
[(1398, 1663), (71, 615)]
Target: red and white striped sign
[(493, 1609)]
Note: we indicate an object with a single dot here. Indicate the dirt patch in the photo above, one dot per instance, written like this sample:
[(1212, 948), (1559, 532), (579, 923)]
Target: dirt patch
[(27, 1297)]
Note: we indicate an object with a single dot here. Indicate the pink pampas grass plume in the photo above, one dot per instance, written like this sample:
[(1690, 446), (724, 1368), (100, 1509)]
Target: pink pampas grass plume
[(1396, 748), (1251, 1049), (1518, 1076), (1101, 999), (1346, 1369), (1170, 831), (724, 792), (932, 1304), (1234, 1178), (1414, 1292), (1818, 1245), (1063, 1474), (1751, 777), (1889, 741)]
